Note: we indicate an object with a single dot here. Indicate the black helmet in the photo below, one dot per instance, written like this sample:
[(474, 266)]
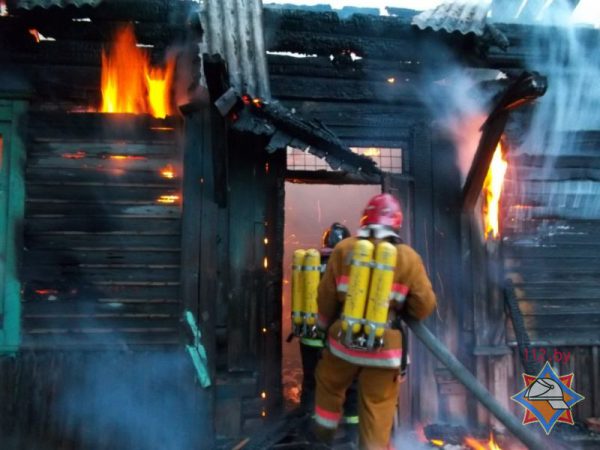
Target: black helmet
[(334, 234)]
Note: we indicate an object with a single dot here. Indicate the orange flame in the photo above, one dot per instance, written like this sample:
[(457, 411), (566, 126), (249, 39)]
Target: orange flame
[(159, 85), (168, 199), (474, 444), (492, 189), (127, 157), (129, 84), (79, 154), (492, 444)]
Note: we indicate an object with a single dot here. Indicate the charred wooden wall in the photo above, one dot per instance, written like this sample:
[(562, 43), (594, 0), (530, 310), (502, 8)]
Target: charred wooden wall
[(101, 227), (219, 256), (549, 239), (232, 280), (551, 255), (101, 259)]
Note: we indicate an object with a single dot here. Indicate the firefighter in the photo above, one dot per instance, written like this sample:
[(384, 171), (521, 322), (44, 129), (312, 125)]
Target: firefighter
[(310, 349), (359, 343)]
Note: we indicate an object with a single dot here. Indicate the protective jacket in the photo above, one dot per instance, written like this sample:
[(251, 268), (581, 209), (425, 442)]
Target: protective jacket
[(376, 369), (411, 291)]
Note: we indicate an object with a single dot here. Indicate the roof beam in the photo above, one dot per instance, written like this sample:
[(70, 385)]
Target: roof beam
[(526, 88)]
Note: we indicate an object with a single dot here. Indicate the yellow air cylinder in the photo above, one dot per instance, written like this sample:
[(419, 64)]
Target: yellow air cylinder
[(297, 287), (312, 276), (381, 288), (358, 283)]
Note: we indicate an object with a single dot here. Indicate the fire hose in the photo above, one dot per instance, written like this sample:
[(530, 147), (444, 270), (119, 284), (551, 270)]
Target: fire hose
[(532, 441)]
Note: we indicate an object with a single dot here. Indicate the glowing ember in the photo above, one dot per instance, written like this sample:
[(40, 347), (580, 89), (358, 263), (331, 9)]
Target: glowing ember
[(168, 199), (263, 395), (265, 263), (46, 291), (129, 84), (80, 154), (391, 80), (168, 171), (492, 190), (437, 442), (127, 157)]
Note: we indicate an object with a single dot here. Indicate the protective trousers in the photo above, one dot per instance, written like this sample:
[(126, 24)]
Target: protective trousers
[(378, 396)]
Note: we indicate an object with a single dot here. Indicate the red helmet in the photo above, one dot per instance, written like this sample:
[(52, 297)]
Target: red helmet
[(383, 209)]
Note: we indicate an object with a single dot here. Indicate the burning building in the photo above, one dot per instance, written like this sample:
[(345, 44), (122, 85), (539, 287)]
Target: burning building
[(152, 156)]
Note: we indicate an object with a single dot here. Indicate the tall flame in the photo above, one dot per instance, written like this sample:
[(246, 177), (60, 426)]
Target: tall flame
[(129, 83), (492, 190)]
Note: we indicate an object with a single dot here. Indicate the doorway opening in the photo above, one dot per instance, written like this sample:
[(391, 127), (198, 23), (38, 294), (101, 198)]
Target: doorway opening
[(309, 210)]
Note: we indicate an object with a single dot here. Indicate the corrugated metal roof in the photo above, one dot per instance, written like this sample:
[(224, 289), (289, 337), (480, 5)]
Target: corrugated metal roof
[(30, 4), (463, 16), (234, 29)]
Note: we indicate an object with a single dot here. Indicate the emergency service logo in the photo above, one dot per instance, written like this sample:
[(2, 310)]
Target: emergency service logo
[(548, 398)]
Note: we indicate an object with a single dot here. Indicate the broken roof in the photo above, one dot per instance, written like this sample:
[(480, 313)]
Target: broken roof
[(285, 128), (282, 126)]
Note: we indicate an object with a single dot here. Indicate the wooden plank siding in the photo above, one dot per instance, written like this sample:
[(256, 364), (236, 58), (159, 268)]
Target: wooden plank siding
[(102, 254), (557, 281)]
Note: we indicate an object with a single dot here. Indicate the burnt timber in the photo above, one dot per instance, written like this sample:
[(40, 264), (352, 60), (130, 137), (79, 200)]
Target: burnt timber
[(230, 201)]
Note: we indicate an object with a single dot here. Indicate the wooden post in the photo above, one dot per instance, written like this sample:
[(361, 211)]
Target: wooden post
[(199, 250), (421, 376)]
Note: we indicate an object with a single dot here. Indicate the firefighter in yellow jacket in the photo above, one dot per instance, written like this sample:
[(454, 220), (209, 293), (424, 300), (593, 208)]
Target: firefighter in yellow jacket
[(369, 280)]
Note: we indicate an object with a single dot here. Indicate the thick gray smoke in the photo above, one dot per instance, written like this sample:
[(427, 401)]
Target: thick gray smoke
[(557, 139), (459, 106)]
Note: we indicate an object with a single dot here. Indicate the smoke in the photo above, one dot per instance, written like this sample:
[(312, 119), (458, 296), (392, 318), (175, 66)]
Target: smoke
[(556, 137), (458, 104), (135, 400)]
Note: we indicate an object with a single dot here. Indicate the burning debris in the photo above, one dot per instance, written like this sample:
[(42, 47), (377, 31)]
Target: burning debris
[(450, 437)]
